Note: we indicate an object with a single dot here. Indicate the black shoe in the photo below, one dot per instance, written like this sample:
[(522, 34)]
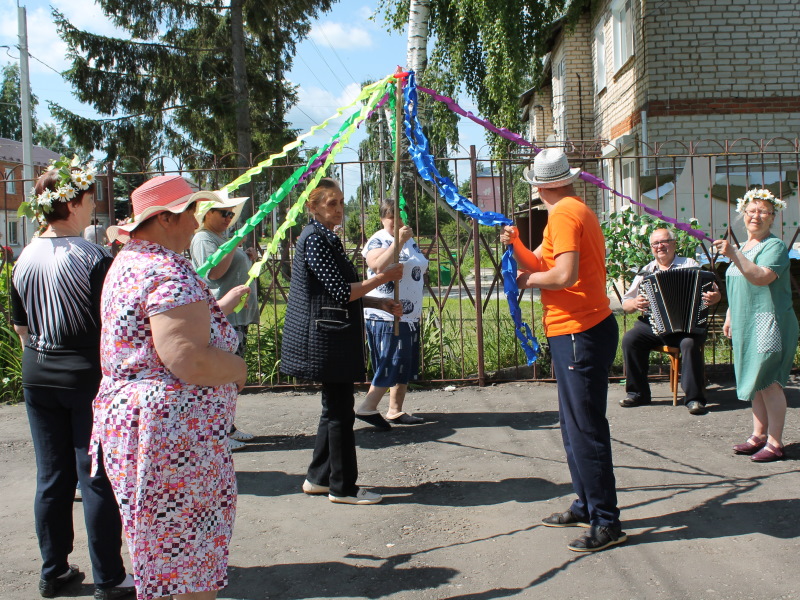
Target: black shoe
[(598, 538), (628, 402), (376, 420), (696, 407), (114, 593), (48, 588), (564, 519)]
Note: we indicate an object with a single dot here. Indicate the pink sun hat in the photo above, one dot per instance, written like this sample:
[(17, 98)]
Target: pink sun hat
[(163, 193)]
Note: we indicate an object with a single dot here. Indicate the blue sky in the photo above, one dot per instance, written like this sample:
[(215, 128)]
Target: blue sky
[(345, 47)]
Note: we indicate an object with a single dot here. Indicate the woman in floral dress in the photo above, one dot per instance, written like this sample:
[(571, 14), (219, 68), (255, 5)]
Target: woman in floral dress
[(166, 401), (761, 323)]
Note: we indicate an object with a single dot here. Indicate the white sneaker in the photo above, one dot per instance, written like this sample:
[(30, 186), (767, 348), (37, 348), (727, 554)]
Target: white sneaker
[(314, 488), (241, 436), (362, 497), (235, 444)]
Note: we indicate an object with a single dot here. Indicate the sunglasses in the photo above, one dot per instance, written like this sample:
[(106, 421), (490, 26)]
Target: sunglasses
[(226, 214)]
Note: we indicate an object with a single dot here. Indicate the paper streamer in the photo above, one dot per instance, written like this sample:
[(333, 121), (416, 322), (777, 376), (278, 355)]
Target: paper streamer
[(299, 174), (419, 148), (247, 176)]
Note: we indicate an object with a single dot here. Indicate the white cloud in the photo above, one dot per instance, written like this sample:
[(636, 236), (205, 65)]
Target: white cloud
[(319, 104), (340, 37)]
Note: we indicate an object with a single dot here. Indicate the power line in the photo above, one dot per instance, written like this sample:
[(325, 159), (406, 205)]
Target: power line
[(336, 54)]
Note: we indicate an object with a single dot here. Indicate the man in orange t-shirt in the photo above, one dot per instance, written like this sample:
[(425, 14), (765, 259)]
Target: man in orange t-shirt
[(569, 268)]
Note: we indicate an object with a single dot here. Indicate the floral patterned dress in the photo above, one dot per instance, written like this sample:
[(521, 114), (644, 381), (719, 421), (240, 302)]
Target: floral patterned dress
[(163, 441)]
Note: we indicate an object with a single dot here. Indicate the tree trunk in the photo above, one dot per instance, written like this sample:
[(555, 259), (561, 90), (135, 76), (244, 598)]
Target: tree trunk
[(241, 99), (417, 46)]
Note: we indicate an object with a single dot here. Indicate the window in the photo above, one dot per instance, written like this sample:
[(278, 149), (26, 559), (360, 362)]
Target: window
[(599, 57), (559, 104), (12, 233), (627, 176), (11, 185), (623, 32)]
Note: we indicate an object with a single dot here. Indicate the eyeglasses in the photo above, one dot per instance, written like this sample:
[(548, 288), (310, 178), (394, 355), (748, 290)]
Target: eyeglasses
[(753, 213), (226, 214), (661, 243)]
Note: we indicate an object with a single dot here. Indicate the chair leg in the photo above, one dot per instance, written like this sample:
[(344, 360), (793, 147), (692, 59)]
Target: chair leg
[(675, 373)]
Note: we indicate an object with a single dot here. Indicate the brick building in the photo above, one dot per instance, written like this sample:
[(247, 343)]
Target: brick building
[(684, 102), (17, 231)]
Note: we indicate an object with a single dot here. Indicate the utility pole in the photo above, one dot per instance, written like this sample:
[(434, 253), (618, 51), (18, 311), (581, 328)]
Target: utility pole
[(25, 104)]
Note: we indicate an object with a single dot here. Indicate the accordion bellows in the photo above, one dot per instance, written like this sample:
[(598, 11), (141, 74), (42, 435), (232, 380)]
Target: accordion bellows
[(676, 300)]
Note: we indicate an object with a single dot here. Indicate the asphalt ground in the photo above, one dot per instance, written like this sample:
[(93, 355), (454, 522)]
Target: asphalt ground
[(464, 495)]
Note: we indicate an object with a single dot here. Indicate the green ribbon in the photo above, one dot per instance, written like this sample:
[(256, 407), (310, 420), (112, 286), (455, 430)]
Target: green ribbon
[(374, 93), (247, 176)]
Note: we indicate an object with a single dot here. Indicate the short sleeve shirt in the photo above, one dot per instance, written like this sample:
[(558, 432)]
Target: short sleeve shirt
[(573, 227), (414, 266)]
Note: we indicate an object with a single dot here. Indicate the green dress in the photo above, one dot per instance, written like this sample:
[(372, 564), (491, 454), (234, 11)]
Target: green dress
[(763, 324)]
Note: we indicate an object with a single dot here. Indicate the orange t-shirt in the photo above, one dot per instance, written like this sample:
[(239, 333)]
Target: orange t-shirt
[(573, 227)]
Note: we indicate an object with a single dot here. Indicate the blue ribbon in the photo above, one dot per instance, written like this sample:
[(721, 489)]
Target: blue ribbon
[(419, 149)]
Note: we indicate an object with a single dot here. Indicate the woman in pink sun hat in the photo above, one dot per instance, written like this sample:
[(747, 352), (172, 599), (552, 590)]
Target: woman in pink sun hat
[(166, 401)]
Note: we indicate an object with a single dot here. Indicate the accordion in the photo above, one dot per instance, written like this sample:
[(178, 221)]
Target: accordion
[(676, 301)]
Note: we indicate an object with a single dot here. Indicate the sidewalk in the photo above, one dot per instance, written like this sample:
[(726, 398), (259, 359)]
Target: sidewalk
[(464, 495)]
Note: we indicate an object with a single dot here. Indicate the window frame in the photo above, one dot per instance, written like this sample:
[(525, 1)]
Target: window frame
[(600, 66), (624, 43)]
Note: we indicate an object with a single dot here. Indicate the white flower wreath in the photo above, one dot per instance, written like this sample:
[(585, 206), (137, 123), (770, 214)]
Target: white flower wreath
[(763, 195), (72, 178)]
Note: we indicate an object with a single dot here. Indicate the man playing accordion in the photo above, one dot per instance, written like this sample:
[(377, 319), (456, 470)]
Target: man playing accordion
[(640, 339)]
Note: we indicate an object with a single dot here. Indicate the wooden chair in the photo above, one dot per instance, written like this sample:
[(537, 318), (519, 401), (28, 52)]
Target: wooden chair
[(674, 354)]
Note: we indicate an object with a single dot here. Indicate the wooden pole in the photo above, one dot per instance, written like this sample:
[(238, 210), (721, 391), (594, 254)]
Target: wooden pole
[(398, 119)]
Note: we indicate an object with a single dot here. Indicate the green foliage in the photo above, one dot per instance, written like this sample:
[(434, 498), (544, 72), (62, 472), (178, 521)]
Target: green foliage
[(488, 46), (627, 236), (10, 348), (262, 352)]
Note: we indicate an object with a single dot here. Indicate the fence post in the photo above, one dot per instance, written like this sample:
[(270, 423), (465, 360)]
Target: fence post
[(112, 216), (473, 176)]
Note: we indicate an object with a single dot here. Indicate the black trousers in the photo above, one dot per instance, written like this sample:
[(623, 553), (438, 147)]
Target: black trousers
[(334, 461), (637, 343), (581, 362), (61, 426)]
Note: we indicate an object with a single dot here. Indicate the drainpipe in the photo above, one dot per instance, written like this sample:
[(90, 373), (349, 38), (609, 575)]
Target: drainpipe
[(580, 105), (645, 168)]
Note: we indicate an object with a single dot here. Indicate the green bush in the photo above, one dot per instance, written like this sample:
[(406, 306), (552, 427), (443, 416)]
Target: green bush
[(10, 348)]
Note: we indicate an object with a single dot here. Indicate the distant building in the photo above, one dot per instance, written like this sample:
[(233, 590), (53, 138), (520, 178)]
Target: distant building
[(18, 231)]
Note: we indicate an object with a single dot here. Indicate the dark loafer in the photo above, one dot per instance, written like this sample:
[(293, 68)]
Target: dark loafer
[(629, 402), (696, 408), (376, 420), (114, 593), (49, 588), (405, 419)]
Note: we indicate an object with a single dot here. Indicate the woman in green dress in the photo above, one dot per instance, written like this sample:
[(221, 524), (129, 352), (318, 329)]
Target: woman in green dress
[(761, 323)]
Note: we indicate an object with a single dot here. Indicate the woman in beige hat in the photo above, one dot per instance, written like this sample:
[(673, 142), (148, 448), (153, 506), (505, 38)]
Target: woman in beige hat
[(215, 220), (166, 401)]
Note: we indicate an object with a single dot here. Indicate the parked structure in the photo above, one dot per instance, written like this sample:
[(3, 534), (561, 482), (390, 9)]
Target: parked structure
[(635, 76)]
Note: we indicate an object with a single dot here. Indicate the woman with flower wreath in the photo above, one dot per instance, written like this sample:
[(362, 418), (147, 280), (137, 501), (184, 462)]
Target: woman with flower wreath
[(55, 297), (761, 322)]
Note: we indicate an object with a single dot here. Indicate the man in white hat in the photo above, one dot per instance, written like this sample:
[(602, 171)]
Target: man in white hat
[(569, 268)]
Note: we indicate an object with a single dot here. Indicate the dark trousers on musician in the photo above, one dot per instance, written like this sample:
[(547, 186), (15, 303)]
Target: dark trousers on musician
[(636, 346), (61, 426), (334, 462), (581, 362)]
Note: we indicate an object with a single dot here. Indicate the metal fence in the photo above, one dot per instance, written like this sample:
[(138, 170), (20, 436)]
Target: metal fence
[(466, 330)]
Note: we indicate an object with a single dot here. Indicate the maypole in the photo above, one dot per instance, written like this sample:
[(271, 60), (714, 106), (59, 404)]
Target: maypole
[(398, 120)]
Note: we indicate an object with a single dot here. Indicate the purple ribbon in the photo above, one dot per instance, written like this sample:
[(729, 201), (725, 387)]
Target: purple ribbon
[(587, 177)]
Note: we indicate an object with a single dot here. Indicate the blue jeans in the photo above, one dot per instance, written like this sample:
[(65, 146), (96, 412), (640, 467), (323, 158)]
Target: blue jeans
[(61, 426), (581, 362)]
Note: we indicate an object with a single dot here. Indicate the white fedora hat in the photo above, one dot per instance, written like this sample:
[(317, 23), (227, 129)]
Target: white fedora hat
[(550, 170), (235, 205)]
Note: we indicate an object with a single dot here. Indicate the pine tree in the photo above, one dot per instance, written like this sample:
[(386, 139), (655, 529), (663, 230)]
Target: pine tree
[(173, 87)]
